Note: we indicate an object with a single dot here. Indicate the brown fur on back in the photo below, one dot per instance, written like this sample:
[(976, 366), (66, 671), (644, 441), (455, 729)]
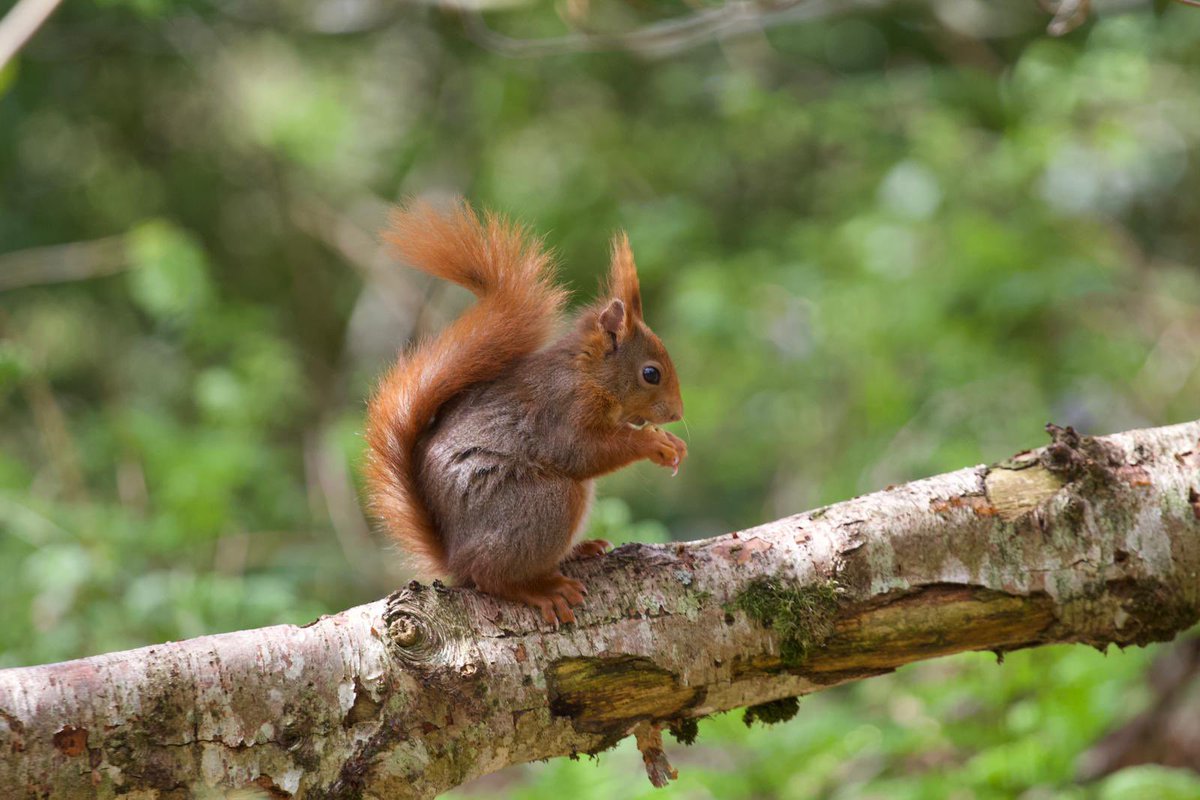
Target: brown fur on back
[(518, 309)]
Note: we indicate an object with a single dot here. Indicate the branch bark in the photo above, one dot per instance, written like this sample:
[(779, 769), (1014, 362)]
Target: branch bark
[(1087, 540)]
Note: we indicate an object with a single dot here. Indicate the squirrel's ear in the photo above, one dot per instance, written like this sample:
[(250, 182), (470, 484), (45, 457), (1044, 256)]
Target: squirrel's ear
[(623, 277), (612, 321)]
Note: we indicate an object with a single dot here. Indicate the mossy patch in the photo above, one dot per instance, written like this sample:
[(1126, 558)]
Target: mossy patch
[(802, 616), (684, 730), (773, 712)]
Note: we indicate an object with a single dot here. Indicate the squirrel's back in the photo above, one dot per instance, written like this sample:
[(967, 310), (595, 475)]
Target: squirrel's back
[(518, 309)]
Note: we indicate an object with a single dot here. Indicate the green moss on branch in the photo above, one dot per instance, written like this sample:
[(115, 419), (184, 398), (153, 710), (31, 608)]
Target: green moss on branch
[(773, 712), (802, 616)]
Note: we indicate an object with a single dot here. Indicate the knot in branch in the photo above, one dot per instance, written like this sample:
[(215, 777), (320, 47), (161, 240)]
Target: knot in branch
[(418, 633)]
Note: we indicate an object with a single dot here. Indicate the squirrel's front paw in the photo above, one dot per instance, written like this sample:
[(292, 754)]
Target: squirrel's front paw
[(588, 548), (667, 449)]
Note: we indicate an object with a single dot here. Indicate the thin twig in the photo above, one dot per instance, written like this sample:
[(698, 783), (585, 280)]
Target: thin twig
[(20, 23), (329, 480), (668, 37), (1068, 15), (61, 263), (57, 441)]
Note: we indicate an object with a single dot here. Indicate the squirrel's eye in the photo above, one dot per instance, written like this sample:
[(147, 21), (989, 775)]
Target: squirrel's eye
[(651, 375)]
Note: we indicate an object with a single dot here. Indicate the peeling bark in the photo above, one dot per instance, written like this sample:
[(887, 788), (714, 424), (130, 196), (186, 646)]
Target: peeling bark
[(1087, 540)]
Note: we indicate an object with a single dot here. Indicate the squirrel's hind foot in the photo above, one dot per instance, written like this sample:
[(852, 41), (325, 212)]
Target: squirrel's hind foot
[(553, 595)]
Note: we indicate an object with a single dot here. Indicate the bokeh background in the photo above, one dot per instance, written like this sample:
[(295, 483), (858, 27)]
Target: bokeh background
[(880, 244)]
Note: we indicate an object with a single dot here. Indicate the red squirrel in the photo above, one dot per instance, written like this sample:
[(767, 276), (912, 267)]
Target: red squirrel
[(484, 441)]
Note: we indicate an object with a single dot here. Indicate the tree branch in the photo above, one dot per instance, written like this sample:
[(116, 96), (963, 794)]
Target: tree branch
[(60, 263), (1087, 540), (21, 23), (668, 37)]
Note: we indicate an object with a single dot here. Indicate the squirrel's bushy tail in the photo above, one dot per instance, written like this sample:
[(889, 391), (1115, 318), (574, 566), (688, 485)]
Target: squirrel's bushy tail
[(519, 305)]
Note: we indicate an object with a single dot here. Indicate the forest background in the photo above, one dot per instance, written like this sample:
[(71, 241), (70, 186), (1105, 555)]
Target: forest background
[(880, 244)]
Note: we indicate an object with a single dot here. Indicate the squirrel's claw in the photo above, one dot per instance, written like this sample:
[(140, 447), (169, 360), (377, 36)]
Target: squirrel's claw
[(588, 548)]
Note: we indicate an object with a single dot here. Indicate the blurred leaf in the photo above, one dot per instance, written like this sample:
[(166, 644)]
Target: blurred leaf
[(14, 366), (170, 277)]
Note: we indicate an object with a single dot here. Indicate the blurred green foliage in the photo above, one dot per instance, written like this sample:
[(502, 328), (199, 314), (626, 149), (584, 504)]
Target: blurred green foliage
[(879, 246), (958, 727)]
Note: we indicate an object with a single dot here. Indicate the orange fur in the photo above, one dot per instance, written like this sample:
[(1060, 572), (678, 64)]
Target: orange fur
[(485, 441), (518, 309), (623, 277)]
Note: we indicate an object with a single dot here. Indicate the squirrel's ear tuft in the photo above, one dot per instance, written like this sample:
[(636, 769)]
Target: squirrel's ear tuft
[(622, 276), (612, 320)]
